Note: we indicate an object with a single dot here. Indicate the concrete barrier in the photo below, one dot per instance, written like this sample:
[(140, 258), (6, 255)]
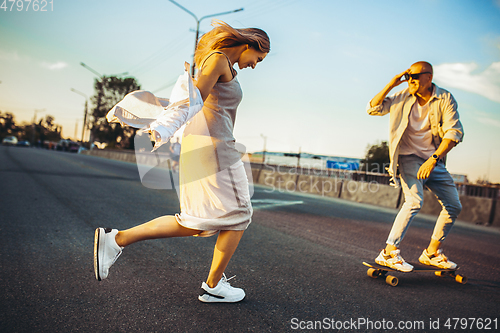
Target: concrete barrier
[(144, 158), (265, 177), (324, 186), (496, 214), (281, 181), (119, 155), (255, 174), (478, 209), (474, 209), (370, 193)]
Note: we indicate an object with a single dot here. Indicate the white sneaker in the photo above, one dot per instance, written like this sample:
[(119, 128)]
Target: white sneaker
[(393, 260), (438, 259), (106, 251), (222, 292)]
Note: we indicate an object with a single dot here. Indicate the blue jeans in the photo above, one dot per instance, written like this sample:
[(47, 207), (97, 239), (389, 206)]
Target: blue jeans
[(440, 183)]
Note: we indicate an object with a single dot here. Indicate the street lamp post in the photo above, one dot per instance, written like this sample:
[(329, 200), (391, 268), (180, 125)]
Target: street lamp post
[(198, 25), (76, 128), (264, 152), (100, 76), (85, 112), (91, 69)]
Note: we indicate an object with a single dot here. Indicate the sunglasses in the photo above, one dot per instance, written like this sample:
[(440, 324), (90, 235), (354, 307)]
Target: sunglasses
[(414, 76)]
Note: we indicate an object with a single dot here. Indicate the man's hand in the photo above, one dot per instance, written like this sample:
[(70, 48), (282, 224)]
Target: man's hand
[(425, 169), (395, 81)]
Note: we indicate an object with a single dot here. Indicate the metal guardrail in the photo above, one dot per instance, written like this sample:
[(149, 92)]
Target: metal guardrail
[(483, 191)]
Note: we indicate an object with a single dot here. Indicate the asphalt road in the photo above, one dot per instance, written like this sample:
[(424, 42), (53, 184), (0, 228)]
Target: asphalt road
[(300, 261)]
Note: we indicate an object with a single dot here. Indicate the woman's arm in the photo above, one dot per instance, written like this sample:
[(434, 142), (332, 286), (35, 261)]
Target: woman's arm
[(214, 69)]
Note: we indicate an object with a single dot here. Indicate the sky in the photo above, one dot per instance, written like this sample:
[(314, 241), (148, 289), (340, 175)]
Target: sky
[(327, 61)]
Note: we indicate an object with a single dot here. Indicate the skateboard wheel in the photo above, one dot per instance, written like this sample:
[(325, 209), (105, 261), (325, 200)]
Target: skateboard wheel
[(461, 279), (391, 280), (373, 273), (439, 273)]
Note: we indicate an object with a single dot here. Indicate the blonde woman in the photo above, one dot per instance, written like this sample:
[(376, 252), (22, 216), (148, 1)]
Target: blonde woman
[(214, 188)]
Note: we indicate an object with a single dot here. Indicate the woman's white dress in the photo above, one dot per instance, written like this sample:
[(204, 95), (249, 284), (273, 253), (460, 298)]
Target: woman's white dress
[(214, 183)]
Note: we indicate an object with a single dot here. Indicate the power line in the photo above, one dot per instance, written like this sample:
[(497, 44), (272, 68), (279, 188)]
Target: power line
[(160, 51), (159, 56), (165, 86), (159, 60), (254, 9)]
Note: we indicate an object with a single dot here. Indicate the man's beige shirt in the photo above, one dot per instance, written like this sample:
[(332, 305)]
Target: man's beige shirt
[(443, 117)]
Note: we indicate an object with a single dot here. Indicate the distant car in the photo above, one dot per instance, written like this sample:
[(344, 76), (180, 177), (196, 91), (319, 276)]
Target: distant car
[(74, 147), (68, 145), (51, 145), (9, 141), (62, 145), (23, 143)]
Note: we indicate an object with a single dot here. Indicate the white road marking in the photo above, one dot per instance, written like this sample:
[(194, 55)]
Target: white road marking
[(269, 203)]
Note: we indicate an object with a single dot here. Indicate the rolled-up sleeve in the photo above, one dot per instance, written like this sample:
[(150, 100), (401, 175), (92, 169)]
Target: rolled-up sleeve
[(452, 127), (381, 109), (373, 111)]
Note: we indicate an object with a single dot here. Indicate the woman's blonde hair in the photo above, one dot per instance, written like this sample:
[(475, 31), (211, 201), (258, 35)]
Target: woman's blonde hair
[(223, 35)]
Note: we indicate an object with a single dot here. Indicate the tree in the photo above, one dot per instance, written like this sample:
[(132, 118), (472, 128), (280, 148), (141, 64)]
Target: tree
[(7, 124), (49, 130), (46, 129), (377, 158), (109, 90), (49, 122)]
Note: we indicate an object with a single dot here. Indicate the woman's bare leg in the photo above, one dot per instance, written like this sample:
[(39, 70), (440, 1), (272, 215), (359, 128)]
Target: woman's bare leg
[(227, 242), (161, 227)]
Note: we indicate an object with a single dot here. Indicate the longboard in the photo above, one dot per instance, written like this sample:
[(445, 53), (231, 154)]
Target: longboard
[(375, 271)]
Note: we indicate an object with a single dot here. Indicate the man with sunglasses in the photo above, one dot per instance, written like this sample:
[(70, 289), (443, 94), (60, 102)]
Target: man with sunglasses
[(424, 127)]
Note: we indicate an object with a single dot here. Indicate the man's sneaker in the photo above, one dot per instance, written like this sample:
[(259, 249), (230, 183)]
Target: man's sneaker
[(222, 292), (438, 259), (106, 251), (393, 260)]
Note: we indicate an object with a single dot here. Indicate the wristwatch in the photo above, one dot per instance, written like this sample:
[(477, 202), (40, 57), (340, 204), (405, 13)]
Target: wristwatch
[(436, 157)]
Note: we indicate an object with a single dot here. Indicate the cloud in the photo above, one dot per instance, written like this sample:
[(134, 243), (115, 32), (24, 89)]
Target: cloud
[(14, 56), (55, 66), (489, 121), (9, 56), (462, 76)]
